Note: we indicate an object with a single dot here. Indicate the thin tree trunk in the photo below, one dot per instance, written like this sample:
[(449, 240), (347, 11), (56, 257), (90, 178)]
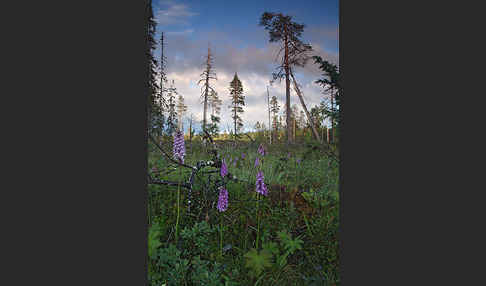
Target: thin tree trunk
[(332, 110), (235, 124), (294, 133), (287, 86), (314, 131), (269, 128), (206, 90)]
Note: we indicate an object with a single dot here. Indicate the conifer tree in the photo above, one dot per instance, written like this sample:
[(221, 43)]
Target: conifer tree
[(274, 108), (214, 103), (172, 114), (181, 109), (282, 29), (152, 65), (159, 119), (237, 103)]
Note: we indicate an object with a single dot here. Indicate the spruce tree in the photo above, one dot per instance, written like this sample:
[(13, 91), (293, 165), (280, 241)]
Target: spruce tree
[(172, 114), (274, 108), (237, 103), (215, 104), (181, 109), (152, 66)]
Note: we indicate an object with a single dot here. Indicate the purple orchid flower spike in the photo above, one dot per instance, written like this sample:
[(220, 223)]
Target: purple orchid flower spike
[(256, 162), (261, 150), (260, 185), (179, 149), (223, 200), (242, 155), (224, 169)]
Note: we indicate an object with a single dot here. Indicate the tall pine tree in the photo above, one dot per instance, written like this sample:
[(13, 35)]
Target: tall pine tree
[(237, 103), (282, 29)]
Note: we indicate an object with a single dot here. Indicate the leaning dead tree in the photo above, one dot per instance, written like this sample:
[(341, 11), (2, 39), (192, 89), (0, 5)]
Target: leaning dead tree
[(309, 117), (207, 74), (330, 150)]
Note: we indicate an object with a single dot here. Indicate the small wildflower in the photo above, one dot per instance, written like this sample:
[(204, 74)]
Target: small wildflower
[(234, 164), (223, 200), (256, 162), (298, 161), (260, 185), (242, 155), (179, 148), (261, 150), (224, 169)]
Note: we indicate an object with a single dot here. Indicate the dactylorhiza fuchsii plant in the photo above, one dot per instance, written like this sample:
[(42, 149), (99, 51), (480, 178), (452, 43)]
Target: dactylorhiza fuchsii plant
[(222, 205), (223, 200), (179, 152), (261, 188), (261, 150), (224, 169), (179, 148)]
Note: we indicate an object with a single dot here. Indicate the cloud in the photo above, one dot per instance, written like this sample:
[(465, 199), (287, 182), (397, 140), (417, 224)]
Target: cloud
[(254, 90), (173, 13), (184, 32), (254, 65)]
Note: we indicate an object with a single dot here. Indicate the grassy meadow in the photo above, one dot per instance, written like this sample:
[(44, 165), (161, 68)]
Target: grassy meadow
[(289, 237)]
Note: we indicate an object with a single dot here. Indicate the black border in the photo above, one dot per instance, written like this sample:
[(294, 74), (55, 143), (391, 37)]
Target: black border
[(81, 151)]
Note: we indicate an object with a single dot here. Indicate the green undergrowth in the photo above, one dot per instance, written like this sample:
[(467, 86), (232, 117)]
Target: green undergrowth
[(296, 224)]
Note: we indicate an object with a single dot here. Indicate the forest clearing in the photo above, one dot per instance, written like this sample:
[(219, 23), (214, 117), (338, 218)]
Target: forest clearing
[(247, 193)]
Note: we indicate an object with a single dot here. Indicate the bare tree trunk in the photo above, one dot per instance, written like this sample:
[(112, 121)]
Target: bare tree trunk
[(287, 86), (314, 131), (206, 90), (269, 128), (205, 103), (294, 133), (332, 110), (190, 130)]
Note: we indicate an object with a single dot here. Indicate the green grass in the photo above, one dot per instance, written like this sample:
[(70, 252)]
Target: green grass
[(303, 201)]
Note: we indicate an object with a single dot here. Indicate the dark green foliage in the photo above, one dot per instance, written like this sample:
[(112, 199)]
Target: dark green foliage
[(299, 236), (172, 113), (152, 64), (257, 261), (237, 103), (331, 82), (281, 28), (213, 128)]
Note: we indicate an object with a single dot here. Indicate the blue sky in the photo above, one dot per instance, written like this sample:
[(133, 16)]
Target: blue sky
[(240, 45)]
